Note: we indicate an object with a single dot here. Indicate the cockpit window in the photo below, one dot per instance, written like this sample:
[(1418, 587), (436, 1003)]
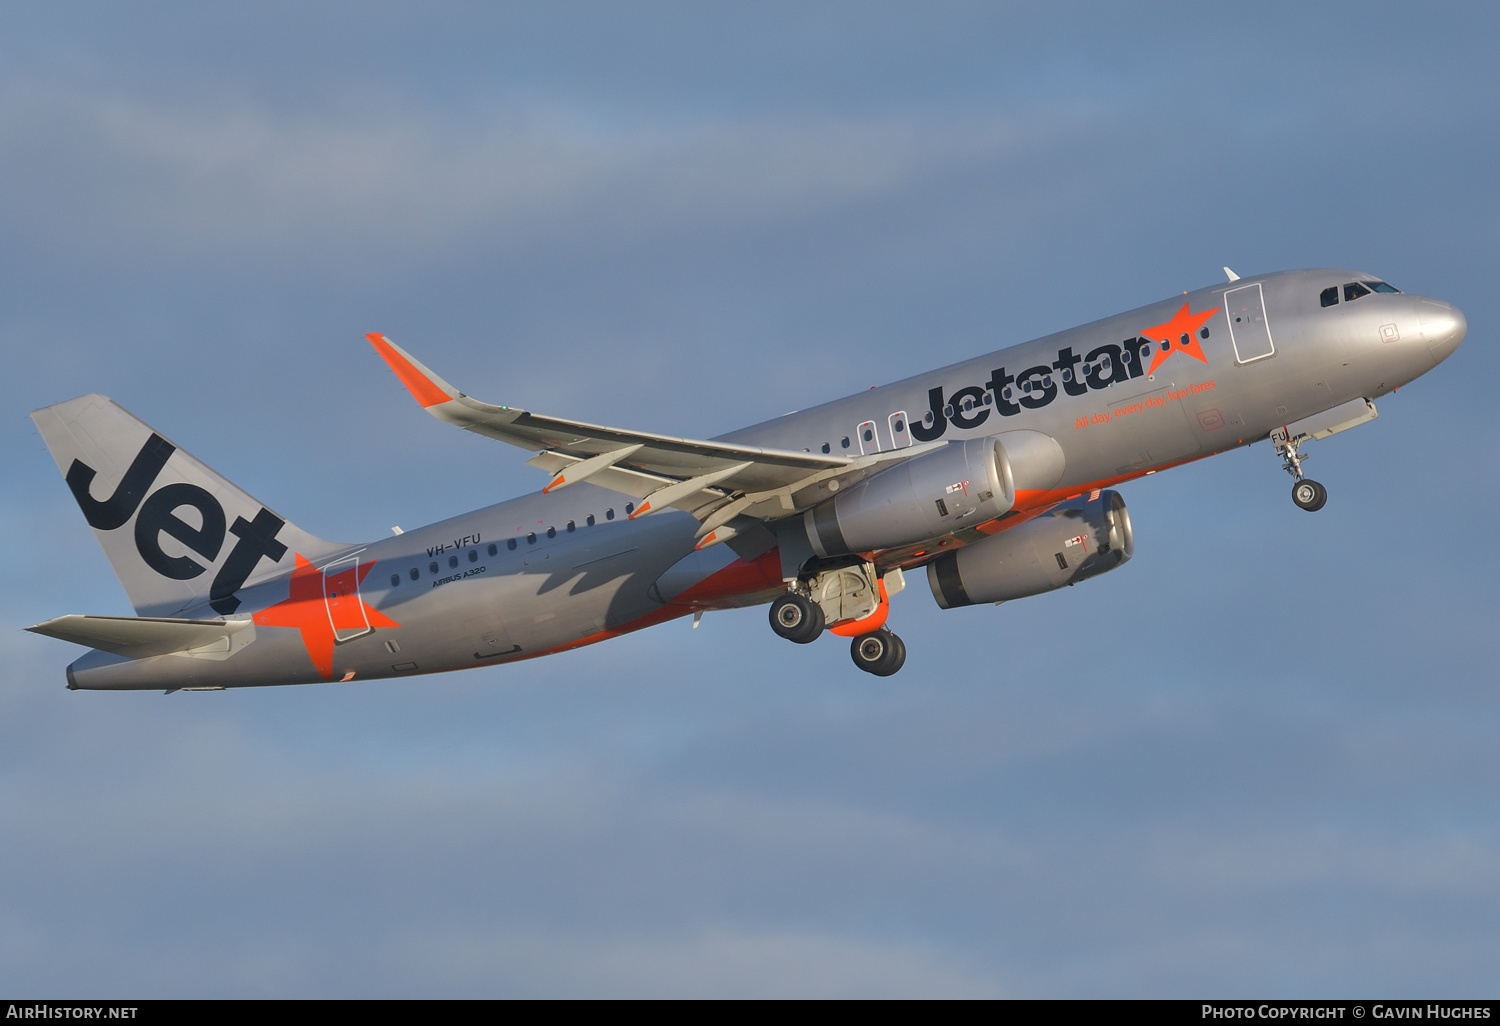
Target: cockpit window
[(1330, 296), (1380, 286), (1353, 291)]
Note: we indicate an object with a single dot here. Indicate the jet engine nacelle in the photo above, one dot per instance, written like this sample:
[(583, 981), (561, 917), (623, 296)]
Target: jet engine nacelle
[(1069, 543), (960, 485)]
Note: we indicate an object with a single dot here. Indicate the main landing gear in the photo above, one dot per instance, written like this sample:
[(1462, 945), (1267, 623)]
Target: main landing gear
[(857, 601), (797, 618), (880, 652), (1306, 492)]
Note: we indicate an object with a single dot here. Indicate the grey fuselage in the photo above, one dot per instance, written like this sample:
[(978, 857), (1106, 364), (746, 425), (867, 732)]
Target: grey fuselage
[(581, 571)]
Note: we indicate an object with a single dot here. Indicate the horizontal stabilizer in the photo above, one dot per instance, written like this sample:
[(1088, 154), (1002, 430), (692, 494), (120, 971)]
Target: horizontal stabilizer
[(138, 637)]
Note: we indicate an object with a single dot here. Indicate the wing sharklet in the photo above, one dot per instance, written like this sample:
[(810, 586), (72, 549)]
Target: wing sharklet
[(425, 386)]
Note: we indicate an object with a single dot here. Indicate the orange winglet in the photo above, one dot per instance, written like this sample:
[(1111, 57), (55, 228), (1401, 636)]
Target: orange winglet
[(421, 387)]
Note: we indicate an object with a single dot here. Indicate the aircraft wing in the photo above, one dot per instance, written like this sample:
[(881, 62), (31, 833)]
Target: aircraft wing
[(716, 481)]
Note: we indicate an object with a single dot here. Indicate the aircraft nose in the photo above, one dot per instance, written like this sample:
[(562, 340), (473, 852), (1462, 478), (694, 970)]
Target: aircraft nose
[(1444, 327)]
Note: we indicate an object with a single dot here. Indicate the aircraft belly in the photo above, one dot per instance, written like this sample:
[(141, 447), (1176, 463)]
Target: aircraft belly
[(598, 582)]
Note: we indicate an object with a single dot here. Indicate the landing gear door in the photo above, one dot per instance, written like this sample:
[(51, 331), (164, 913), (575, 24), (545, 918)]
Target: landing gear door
[(346, 613), (1246, 310)]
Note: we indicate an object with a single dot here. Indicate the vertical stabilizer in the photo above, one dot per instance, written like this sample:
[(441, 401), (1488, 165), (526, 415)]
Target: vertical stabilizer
[(178, 535)]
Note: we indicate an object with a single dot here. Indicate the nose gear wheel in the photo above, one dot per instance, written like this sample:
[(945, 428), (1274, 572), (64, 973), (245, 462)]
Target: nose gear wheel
[(1306, 492), (1309, 495)]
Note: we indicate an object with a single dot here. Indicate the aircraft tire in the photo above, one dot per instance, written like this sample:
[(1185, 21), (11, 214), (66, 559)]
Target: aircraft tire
[(879, 652), (1309, 495), (797, 618), (899, 656)]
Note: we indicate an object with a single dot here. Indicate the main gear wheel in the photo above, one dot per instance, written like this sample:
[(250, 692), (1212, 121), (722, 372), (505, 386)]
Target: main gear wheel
[(879, 652), (797, 618)]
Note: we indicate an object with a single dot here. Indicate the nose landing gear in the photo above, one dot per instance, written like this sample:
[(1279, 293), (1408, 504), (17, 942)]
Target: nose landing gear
[(1306, 493), (1309, 495)]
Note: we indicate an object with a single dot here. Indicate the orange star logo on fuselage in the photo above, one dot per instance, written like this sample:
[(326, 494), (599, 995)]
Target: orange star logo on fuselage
[(1180, 335), (320, 605)]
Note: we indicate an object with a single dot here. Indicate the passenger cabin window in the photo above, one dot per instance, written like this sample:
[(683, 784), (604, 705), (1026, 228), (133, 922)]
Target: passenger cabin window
[(432, 567), (395, 580), (629, 508), (1330, 296), (845, 442), (590, 520), (1353, 291), (473, 555), (827, 447), (510, 543), (414, 574), (452, 562), (572, 526), (492, 550), (551, 532), (609, 514), (531, 538)]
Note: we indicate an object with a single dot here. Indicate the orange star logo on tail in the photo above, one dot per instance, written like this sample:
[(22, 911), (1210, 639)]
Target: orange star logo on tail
[(1180, 335), (320, 605)]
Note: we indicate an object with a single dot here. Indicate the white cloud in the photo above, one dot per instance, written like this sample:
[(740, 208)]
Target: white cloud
[(204, 181), (715, 963)]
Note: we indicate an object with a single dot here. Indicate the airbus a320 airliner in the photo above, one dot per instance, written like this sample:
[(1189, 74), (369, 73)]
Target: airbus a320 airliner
[(995, 475)]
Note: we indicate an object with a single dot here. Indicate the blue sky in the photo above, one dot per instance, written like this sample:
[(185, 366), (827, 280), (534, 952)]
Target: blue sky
[(1256, 760)]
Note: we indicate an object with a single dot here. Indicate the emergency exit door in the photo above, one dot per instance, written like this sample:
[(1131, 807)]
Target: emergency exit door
[(346, 613), (1248, 330)]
